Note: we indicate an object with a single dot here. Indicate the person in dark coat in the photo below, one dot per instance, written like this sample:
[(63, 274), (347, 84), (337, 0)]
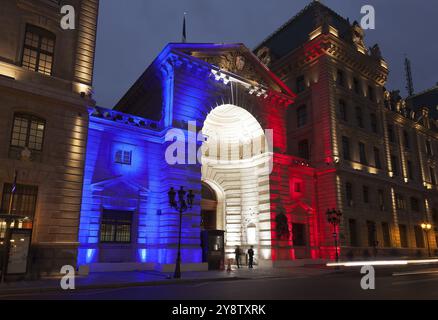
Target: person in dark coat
[(237, 254), (251, 257)]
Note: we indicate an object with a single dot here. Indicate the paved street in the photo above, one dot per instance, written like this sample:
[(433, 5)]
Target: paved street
[(411, 283)]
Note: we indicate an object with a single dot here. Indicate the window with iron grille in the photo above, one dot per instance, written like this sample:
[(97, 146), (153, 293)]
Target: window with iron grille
[(38, 50), (28, 132), (115, 226)]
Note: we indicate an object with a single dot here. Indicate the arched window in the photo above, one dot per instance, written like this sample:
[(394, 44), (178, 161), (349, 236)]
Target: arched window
[(28, 132)]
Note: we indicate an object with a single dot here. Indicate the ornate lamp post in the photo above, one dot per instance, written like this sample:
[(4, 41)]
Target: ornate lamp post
[(181, 205), (426, 228), (334, 218)]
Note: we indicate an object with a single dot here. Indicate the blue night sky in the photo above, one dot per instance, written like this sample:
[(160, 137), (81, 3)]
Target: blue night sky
[(131, 33)]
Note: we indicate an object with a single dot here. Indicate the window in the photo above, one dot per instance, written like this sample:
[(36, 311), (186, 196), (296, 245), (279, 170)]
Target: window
[(377, 160), (415, 204), (340, 80), (38, 50), (23, 204), (301, 116), (359, 117), (374, 123), (123, 157), (353, 233), (372, 235), (432, 176), (406, 139), (371, 94), (303, 149), (349, 194), (394, 164), (363, 154), (297, 187), (346, 148), (381, 199), (300, 84), (419, 238), (343, 110), (410, 170), (386, 235), (391, 134), (356, 86), (115, 226), (429, 148), (28, 132), (400, 202), (366, 194), (403, 235), (299, 234)]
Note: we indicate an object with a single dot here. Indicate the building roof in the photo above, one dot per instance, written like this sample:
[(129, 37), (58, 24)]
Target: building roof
[(427, 98), (295, 32)]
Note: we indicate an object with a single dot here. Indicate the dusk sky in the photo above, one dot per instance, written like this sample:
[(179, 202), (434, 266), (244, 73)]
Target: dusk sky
[(131, 34)]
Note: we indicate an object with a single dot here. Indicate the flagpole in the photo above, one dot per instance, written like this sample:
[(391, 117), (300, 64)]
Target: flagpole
[(184, 35)]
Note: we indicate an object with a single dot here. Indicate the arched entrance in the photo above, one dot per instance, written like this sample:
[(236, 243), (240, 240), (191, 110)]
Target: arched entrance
[(235, 173)]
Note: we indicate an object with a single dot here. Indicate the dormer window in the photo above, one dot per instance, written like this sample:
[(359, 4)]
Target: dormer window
[(38, 50)]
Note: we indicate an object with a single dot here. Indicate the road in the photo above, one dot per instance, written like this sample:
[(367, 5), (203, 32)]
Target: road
[(345, 284)]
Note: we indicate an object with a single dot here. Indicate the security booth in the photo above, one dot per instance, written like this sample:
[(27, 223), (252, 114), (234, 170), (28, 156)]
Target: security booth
[(15, 243), (213, 249)]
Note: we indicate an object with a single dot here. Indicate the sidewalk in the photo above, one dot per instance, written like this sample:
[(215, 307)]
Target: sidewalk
[(151, 278)]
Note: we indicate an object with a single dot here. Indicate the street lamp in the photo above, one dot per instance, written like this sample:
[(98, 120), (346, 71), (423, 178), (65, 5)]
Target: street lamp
[(181, 205), (334, 218), (426, 228)]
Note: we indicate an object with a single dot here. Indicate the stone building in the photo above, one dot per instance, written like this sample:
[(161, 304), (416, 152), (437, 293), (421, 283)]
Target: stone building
[(45, 80), (267, 141), (375, 159)]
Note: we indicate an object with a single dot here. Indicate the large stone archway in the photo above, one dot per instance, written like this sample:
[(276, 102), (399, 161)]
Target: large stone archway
[(236, 161)]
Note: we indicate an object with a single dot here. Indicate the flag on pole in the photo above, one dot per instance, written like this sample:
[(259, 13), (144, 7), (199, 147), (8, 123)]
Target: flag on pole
[(184, 35), (14, 185)]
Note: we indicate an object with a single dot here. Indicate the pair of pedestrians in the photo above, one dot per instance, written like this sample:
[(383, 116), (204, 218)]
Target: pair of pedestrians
[(238, 254)]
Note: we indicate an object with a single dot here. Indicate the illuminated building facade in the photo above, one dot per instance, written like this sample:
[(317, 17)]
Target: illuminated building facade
[(375, 158), (45, 76), (93, 182)]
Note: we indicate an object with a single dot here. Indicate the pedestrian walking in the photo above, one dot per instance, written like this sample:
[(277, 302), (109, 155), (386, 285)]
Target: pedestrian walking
[(251, 257)]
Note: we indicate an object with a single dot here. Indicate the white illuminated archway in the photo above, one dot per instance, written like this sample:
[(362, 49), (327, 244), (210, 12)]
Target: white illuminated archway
[(235, 163)]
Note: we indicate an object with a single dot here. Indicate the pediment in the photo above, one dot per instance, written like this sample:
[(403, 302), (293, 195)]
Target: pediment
[(119, 186), (236, 59)]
